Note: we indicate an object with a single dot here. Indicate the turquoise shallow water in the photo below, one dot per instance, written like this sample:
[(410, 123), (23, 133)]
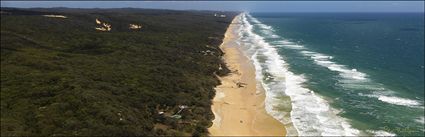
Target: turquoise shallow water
[(349, 73)]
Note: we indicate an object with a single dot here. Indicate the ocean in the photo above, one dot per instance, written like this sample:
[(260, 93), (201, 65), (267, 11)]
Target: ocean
[(339, 73)]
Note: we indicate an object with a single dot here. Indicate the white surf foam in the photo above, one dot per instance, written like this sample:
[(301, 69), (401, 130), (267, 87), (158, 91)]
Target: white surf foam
[(291, 46), (399, 101), (420, 120), (325, 61), (268, 31), (381, 133), (285, 42), (394, 100), (310, 114)]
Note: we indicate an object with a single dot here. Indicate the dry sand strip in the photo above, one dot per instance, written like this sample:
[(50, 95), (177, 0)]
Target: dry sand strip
[(240, 111)]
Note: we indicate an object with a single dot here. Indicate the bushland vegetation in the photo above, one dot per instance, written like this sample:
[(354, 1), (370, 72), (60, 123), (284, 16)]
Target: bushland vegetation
[(60, 76)]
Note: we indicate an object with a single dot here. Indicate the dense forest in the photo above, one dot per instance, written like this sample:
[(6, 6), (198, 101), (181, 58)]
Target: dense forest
[(60, 76)]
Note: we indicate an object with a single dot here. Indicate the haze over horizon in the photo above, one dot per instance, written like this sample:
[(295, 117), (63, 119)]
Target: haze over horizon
[(250, 6)]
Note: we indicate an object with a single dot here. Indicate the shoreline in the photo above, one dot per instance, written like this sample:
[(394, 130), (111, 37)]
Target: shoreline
[(240, 110)]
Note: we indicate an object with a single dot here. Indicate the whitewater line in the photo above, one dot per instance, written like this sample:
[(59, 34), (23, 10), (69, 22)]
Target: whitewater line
[(351, 77), (311, 115)]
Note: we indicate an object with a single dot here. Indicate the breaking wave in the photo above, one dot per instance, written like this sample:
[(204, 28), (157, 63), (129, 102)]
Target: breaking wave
[(310, 114)]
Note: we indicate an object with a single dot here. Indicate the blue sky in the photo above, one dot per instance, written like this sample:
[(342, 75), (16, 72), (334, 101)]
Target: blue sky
[(251, 6)]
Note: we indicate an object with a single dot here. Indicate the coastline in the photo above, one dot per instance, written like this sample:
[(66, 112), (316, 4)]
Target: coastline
[(240, 110)]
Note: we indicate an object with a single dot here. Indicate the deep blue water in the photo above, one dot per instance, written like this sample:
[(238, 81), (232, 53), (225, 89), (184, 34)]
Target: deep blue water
[(368, 66)]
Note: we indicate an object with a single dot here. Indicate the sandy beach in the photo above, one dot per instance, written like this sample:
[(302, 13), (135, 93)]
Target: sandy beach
[(240, 110)]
